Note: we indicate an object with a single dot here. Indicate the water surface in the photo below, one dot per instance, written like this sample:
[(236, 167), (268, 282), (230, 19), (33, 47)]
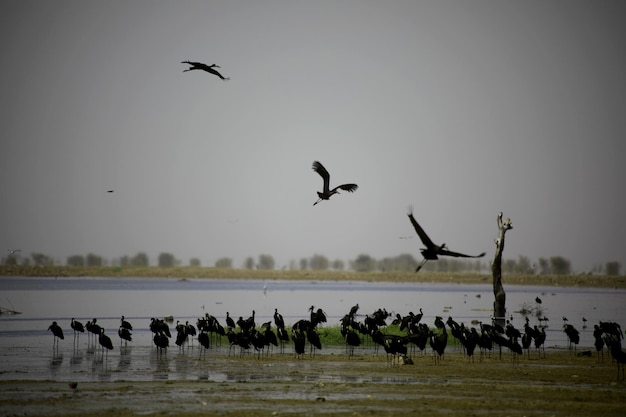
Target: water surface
[(26, 345)]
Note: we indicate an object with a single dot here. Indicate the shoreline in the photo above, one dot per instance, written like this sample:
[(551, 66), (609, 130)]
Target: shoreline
[(594, 281), (336, 385)]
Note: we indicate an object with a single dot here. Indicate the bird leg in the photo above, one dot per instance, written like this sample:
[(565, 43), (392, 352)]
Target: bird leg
[(421, 265)]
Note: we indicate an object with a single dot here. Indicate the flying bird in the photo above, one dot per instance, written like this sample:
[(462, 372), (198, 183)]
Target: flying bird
[(432, 251), (204, 67), (13, 251), (327, 192)]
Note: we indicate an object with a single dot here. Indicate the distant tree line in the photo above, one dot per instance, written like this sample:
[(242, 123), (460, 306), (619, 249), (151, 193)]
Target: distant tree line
[(555, 265)]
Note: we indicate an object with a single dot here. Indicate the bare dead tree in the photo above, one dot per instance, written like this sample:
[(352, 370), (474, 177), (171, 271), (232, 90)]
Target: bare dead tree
[(499, 304)]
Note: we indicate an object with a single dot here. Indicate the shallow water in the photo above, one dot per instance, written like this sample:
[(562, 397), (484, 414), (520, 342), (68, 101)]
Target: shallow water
[(26, 350)]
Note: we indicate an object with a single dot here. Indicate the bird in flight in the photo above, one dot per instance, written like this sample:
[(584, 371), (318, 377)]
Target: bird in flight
[(204, 67), (327, 192), (13, 251), (110, 191), (432, 251)]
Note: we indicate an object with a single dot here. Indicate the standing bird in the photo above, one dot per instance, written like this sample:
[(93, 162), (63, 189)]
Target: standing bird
[(125, 324), (124, 334), (279, 321), (204, 340), (77, 326), (57, 332), (572, 335), (432, 251), (229, 321), (204, 67), (327, 192), (105, 341)]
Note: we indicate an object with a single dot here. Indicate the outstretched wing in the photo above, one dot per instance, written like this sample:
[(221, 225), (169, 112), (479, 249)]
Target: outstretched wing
[(446, 252), (319, 168), (347, 187), (197, 65), (421, 233)]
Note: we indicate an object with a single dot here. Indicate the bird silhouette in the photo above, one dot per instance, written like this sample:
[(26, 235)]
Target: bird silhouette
[(619, 355), (204, 340), (279, 321), (299, 341), (124, 334), (13, 251), (327, 192), (432, 251), (158, 325), (572, 335), (57, 333), (93, 328), (317, 316), (161, 341), (125, 324), (78, 328), (352, 340), (439, 341), (204, 67), (229, 321), (105, 341)]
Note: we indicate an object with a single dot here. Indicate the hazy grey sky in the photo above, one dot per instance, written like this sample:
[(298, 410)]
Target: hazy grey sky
[(460, 108)]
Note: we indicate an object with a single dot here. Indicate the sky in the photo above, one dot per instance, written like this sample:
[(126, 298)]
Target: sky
[(460, 109)]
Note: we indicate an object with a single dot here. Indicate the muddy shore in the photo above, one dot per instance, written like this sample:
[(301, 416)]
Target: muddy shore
[(336, 385)]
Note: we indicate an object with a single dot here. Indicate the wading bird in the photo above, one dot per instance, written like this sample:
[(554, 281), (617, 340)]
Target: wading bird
[(204, 67), (77, 326), (105, 342), (327, 192), (124, 334), (57, 332), (432, 251)]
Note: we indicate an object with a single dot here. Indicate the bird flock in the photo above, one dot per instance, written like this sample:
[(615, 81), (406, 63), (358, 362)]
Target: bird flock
[(413, 334), (400, 336)]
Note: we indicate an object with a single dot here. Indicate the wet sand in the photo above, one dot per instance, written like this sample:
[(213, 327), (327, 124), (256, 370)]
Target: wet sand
[(335, 384)]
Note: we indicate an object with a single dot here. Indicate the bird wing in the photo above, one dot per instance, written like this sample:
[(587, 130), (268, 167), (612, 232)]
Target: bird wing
[(194, 64), (319, 168), (421, 233), (347, 187), (214, 72), (446, 252)]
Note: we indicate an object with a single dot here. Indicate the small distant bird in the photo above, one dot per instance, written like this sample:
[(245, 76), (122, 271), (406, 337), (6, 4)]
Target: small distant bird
[(110, 191), (432, 251), (73, 385), (204, 67), (13, 251), (538, 300), (327, 192)]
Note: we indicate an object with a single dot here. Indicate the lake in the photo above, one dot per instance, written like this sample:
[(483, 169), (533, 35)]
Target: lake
[(26, 344)]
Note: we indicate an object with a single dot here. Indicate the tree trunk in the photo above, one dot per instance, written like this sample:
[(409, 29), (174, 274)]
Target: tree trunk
[(499, 304)]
